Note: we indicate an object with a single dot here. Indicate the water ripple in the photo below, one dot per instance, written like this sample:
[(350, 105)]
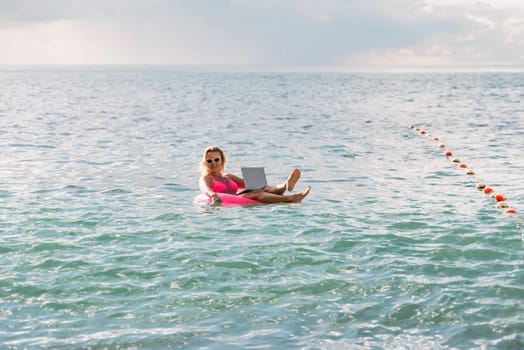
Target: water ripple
[(102, 246)]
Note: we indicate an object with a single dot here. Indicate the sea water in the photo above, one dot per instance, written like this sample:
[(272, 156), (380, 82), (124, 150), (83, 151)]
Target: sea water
[(102, 247)]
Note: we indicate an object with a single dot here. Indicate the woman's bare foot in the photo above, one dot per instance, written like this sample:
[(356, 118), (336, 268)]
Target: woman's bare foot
[(293, 179), (297, 198)]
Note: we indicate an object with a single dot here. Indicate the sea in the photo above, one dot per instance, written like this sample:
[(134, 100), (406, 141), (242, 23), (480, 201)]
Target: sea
[(102, 247)]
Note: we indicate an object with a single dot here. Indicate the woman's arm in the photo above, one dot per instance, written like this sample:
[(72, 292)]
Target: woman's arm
[(205, 188)]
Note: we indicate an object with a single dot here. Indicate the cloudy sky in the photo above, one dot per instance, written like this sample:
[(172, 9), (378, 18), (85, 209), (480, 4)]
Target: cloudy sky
[(263, 32)]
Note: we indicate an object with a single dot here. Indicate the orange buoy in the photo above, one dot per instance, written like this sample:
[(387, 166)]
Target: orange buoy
[(488, 190), (499, 198)]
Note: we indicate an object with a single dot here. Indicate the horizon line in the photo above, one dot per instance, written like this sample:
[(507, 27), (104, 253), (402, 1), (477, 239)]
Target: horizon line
[(247, 67)]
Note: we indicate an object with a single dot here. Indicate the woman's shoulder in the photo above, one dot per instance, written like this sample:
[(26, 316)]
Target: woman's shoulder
[(207, 178)]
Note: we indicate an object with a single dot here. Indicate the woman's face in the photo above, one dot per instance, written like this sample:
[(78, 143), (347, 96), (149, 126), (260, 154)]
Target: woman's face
[(213, 161)]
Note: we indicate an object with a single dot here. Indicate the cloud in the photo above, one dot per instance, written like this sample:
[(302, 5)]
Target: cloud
[(95, 38), (404, 57), (483, 22), (513, 28), (323, 17), (469, 4), (58, 41), (294, 32)]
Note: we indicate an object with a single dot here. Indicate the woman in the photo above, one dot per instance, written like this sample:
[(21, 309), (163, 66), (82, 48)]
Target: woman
[(213, 181)]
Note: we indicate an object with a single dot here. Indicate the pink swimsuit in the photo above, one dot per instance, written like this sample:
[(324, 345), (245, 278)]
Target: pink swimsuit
[(229, 187), (227, 192)]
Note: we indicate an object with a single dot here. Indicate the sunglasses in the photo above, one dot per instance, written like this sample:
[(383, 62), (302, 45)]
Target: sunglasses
[(211, 160)]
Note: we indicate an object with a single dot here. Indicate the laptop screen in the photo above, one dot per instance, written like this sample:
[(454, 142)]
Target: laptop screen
[(254, 177)]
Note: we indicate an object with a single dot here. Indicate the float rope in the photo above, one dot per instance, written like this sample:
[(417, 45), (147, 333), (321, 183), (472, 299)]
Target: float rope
[(488, 191)]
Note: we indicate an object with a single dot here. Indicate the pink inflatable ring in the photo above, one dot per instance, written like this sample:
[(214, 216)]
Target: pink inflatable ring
[(227, 200)]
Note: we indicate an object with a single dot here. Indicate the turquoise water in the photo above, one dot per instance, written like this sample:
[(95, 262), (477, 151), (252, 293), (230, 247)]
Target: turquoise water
[(102, 247)]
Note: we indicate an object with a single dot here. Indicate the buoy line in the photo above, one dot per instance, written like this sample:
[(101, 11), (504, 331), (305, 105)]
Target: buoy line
[(500, 200)]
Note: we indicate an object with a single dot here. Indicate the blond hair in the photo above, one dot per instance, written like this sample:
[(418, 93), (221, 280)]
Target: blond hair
[(212, 149)]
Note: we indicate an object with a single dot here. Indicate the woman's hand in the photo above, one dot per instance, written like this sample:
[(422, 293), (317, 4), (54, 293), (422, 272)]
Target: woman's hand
[(215, 199)]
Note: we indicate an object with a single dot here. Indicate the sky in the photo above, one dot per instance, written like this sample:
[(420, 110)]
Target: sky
[(263, 32)]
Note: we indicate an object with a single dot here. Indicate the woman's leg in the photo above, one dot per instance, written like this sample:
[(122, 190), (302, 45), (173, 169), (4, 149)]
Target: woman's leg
[(289, 184), (268, 197)]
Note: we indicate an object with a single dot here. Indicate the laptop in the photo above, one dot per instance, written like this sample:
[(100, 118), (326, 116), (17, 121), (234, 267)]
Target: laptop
[(254, 177)]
